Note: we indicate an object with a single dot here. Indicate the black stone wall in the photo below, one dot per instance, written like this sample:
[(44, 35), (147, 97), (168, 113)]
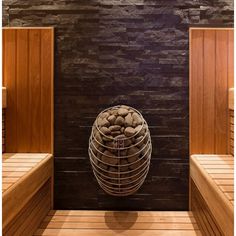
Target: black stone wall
[(110, 52)]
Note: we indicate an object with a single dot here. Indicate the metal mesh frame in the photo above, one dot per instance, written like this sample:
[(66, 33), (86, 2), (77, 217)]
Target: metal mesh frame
[(127, 178)]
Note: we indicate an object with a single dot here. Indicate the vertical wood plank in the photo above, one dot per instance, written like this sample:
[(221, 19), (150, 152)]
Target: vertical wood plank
[(3, 57), (221, 113), (28, 76), (22, 92), (230, 59), (230, 80), (35, 88), (46, 91), (10, 83), (209, 92), (196, 91)]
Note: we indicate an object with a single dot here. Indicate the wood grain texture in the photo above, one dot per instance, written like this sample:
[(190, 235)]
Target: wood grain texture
[(21, 183), (231, 59), (18, 163), (217, 196), (28, 77), (4, 97), (221, 90), (208, 94), (22, 103), (202, 213), (231, 143), (118, 223), (231, 99), (30, 216), (196, 91), (10, 78), (211, 73)]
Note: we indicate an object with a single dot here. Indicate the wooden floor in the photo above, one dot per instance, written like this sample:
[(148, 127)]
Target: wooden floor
[(16, 166), (109, 223), (221, 170)]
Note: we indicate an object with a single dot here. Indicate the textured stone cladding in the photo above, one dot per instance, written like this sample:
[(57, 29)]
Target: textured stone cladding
[(110, 52)]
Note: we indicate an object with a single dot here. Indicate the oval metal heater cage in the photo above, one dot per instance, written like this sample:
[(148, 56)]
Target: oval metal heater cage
[(120, 164)]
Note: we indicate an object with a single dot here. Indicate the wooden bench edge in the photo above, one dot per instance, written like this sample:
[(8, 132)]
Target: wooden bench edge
[(10, 204), (221, 208)]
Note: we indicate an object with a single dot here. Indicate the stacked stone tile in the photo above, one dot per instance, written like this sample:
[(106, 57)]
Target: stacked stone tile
[(120, 150)]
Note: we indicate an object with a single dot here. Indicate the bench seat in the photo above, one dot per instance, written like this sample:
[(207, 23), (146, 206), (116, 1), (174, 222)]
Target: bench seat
[(26, 181), (213, 176)]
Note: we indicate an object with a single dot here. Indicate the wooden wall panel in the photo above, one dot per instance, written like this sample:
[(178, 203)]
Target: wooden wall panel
[(211, 75), (209, 94), (196, 84), (22, 86), (202, 213), (221, 91), (35, 87), (9, 49), (46, 88), (231, 59), (28, 76)]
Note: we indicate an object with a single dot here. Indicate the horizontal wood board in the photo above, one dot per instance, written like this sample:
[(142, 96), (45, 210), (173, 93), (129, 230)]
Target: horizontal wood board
[(202, 213), (214, 178), (23, 175), (118, 223), (30, 216)]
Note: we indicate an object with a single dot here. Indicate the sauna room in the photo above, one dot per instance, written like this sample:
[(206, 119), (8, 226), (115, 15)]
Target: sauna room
[(117, 118)]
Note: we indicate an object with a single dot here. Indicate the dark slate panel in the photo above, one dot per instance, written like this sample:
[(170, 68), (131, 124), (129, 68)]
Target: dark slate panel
[(110, 52)]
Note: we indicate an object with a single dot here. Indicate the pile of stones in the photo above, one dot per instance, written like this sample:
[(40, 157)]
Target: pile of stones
[(120, 150)]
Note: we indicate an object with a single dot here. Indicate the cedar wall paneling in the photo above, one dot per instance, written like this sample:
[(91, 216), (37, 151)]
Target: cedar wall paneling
[(28, 77), (110, 52), (211, 76)]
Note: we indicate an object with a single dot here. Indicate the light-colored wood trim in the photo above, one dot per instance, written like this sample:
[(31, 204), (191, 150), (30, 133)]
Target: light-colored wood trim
[(220, 206), (122, 214), (231, 98), (4, 97), (15, 197), (209, 28)]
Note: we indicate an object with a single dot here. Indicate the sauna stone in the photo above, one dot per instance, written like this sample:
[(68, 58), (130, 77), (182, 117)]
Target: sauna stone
[(119, 121), (123, 112), (129, 131), (114, 128), (111, 119), (128, 120), (105, 130), (119, 146)]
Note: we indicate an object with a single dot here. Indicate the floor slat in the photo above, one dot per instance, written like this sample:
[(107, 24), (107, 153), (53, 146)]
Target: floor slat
[(109, 223)]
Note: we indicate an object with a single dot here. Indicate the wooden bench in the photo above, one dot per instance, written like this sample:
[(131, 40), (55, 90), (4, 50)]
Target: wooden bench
[(213, 186), (26, 192)]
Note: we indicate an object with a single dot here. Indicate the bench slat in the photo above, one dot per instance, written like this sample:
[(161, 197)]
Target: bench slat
[(29, 179), (216, 186)]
